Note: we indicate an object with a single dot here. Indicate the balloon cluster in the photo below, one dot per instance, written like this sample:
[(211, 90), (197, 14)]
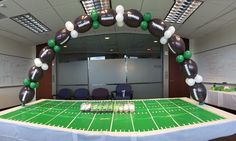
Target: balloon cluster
[(108, 17)]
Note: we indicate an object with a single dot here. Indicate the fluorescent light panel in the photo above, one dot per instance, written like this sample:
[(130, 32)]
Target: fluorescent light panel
[(30, 22), (181, 10), (98, 5)]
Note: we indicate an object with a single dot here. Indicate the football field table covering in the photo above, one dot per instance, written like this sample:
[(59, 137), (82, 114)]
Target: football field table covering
[(149, 115)]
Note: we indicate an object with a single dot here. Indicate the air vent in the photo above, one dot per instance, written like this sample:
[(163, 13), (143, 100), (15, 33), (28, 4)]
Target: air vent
[(2, 16)]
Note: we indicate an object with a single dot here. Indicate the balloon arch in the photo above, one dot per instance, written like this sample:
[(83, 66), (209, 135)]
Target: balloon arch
[(132, 18)]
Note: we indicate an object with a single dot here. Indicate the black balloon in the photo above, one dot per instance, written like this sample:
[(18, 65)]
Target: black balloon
[(107, 17), (198, 92), (157, 27), (35, 74), (46, 55), (62, 36), (189, 68), (133, 18), (26, 95), (176, 44), (83, 23)]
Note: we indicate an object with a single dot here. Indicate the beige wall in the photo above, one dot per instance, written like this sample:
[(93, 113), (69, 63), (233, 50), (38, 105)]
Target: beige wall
[(9, 96), (223, 36), (221, 41)]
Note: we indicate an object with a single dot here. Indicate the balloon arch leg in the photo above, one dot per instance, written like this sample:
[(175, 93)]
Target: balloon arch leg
[(132, 18)]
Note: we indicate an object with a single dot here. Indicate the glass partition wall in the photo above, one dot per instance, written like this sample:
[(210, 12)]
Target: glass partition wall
[(143, 70)]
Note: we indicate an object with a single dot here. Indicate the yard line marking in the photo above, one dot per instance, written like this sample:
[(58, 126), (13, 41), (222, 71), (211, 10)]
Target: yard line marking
[(60, 113), (150, 115), (73, 119), (30, 110), (91, 121), (186, 111), (43, 112), (112, 118), (167, 112), (132, 122)]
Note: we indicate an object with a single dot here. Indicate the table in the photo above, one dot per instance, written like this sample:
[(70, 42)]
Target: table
[(222, 99), (154, 119)]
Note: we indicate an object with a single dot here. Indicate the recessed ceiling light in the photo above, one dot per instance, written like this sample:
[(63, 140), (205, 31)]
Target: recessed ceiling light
[(107, 38), (65, 46), (149, 49), (155, 41), (98, 5), (181, 10), (30, 22)]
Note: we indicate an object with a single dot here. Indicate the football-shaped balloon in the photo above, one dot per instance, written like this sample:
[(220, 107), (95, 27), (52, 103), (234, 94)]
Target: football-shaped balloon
[(35, 74), (133, 18), (198, 92), (157, 27), (83, 23), (26, 95), (189, 68), (62, 36), (107, 17), (46, 55), (176, 44)]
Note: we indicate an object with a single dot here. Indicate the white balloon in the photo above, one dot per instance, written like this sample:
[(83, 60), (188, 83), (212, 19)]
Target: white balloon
[(120, 24), (120, 9), (167, 34), (190, 81), (119, 18), (69, 26), (44, 66), (37, 62), (198, 78), (74, 34), (172, 29), (163, 40)]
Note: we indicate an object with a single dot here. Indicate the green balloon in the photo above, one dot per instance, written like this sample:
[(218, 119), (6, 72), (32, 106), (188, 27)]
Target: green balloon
[(144, 25), (180, 58), (187, 54), (33, 85), (95, 24), (26, 82), (51, 43), (147, 16), (94, 15), (57, 49), (37, 85)]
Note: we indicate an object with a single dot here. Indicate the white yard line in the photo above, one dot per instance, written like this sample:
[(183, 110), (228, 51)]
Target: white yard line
[(28, 110), (132, 122), (186, 111), (150, 115), (91, 121), (43, 112), (60, 113), (112, 118), (73, 119), (167, 113)]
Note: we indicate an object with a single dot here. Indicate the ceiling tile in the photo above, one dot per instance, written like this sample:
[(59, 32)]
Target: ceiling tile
[(11, 9), (33, 5), (158, 8), (70, 11), (128, 4), (61, 2), (49, 18)]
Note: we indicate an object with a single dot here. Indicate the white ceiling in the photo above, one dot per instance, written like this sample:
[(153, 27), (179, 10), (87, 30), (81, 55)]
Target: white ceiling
[(213, 14)]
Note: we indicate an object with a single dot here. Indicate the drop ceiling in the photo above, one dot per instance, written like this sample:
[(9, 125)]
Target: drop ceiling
[(212, 14)]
